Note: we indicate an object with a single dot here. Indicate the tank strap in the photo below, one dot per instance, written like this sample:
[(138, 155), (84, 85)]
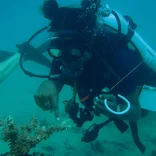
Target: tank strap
[(132, 26), (118, 20), (131, 29)]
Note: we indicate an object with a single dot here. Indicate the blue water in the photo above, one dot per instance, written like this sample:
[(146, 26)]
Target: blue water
[(19, 19)]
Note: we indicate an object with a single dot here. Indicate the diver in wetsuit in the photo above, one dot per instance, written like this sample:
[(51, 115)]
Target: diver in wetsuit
[(81, 66), (93, 75)]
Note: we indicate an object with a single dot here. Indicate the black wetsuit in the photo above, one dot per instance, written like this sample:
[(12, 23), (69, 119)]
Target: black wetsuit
[(96, 76)]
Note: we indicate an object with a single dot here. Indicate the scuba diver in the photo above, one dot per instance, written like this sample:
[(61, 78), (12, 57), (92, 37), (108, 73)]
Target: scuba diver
[(98, 52), (105, 64), (85, 48)]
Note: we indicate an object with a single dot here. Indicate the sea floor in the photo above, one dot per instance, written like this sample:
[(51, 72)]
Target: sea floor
[(110, 141)]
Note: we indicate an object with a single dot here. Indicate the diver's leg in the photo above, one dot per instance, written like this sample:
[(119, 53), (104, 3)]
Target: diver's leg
[(5, 55)]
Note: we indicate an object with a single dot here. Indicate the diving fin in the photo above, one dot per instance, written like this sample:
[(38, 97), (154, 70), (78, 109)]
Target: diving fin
[(135, 136), (92, 132), (121, 125)]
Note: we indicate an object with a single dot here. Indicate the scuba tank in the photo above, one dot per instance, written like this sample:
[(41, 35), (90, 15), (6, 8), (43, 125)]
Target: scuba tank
[(114, 22)]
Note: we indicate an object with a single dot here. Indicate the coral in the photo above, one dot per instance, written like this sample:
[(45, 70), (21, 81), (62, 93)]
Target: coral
[(33, 154), (22, 139)]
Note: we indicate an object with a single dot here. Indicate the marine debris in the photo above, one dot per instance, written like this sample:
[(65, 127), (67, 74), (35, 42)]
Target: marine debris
[(21, 139)]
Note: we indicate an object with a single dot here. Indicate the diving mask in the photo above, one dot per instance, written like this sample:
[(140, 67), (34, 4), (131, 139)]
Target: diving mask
[(69, 49)]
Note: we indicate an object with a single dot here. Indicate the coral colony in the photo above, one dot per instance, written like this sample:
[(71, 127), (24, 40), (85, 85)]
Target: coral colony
[(21, 139)]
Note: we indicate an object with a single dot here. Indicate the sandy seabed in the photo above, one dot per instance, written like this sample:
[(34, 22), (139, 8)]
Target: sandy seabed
[(109, 142)]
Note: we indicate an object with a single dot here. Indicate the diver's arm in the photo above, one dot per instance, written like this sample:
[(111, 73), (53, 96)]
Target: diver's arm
[(44, 47), (35, 54), (58, 85), (135, 111), (8, 66)]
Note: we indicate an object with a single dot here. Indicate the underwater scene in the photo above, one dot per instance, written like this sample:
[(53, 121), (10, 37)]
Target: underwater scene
[(77, 78)]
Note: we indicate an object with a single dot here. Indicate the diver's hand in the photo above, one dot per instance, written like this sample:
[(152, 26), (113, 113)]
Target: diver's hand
[(99, 103), (47, 98), (25, 48)]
